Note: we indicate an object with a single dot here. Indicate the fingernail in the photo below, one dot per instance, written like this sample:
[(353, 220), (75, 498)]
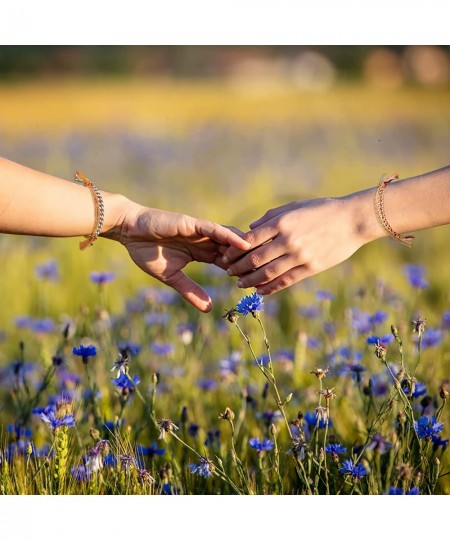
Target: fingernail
[(260, 291), (240, 283), (225, 259), (229, 271)]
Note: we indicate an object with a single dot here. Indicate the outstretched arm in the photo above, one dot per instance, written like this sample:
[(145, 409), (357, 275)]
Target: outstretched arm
[(160, 243), (300, 239)]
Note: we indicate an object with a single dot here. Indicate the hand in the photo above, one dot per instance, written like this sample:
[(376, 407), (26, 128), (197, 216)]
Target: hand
[(298, 240), (162, 243)]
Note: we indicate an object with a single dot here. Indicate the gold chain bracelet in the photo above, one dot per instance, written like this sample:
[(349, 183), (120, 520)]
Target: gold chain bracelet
[(99, 210), (381, 216)]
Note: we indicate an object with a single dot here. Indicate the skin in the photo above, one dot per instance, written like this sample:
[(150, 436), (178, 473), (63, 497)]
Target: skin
[(302, 238), (161, 243)]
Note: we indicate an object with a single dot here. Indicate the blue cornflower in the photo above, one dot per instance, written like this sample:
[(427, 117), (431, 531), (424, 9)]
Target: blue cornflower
[(124, 382), (431, 338), (324, 295), (101, 277), (313, 343), (81, 473), (230, 365), (260, 446), (378, 317), (382, 340), (212, 439), (207, 384), (85, 351), (335, 449), (284, 355), (202, 468), (270, 417), (151, 450), (163, 349), (310, 312), (263, 360), (45, 410), (355, 369), (399, 491), (19, 431), (426, 427), (364, 322), (193, 430), (419, 389), (311, 419), (379, 384), (416, 276), (379, 444), (129, 347), (56, 422), (23, 321), (446, 319), (355, 471), (250, 304), (48, 270), (439, 441), (42, 326)]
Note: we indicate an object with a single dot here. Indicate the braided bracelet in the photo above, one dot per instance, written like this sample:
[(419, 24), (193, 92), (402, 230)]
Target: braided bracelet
[(99, 210), (381, 216)]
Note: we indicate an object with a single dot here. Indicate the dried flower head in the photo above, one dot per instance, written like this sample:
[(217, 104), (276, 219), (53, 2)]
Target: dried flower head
[(298, 447), (380, 350), (231, 315), (419, 325), (319, 372), (144, 477), (166, 426), (322, 413), (328, 393), (121, 364)]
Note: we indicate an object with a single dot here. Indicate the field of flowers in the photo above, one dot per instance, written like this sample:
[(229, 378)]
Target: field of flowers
[(111, 384)]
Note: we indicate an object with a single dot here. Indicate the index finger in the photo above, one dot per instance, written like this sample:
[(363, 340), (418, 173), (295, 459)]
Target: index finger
[(222, 235), (255, 238)]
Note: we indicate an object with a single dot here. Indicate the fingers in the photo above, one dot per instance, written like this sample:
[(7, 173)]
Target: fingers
[(221, 234), (190, 291), (257, 258), (255, 238), (274, 212), (285, 280), (267, 273)]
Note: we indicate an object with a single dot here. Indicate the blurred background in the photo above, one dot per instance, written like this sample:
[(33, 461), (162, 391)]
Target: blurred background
[(225, 133)]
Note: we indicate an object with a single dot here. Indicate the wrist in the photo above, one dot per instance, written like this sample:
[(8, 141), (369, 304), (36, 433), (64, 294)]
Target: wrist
[(364, 221), (119, 211)]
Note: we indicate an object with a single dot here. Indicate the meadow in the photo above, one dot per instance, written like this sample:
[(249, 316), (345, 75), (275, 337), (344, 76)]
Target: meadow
[(338, 385)]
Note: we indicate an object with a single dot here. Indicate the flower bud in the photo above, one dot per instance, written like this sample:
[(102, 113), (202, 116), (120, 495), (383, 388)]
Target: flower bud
[(228, 414)]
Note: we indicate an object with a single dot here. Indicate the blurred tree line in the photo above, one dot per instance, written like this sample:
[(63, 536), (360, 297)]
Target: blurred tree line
[(420, 64)]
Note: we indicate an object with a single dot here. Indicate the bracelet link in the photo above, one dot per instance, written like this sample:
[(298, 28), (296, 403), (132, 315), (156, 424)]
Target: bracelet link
[(99, 210), (381, 216)]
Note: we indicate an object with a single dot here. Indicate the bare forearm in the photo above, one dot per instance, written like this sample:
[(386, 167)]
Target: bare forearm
[(416, 203), (39, 204)]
